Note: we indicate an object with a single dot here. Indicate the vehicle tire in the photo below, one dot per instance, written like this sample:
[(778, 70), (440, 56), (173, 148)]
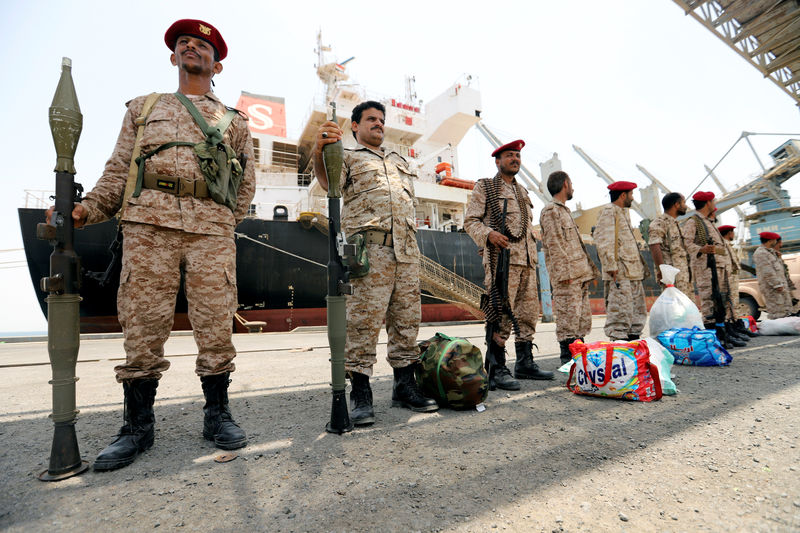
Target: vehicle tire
[(748, 306)]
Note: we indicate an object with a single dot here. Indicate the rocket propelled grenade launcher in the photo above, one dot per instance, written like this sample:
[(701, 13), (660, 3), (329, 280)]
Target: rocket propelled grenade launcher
[(338, 286), (63, 300)]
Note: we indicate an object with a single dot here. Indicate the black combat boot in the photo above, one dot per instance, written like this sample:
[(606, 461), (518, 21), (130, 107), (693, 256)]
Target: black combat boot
[(218, 424), (499, 374), (566, 355), (361, 412), (735, 335), (405, 392), (721, 336), (526, 367), (138, 431), (740, 327), (633, 337)]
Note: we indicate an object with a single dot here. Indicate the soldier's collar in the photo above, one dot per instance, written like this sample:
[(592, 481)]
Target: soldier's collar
[(562, 204), (382, 153)]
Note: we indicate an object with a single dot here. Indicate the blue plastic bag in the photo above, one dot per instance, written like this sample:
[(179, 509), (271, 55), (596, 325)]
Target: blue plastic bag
[(697, 347)]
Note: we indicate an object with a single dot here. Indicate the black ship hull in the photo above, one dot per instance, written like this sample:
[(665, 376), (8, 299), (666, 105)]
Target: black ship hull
[(280, 273)]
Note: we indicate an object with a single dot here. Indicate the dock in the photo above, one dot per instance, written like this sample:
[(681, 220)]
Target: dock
[(721, 455)]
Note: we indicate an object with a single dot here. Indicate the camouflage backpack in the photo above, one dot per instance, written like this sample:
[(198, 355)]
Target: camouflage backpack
[(451, 372)]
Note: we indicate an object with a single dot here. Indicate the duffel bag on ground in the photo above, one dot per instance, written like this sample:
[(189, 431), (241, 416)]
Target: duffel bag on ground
[(451, 372), (697, 347), (614, 370)]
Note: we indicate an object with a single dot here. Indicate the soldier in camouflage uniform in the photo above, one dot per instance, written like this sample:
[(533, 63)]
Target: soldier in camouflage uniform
[(378, 201), (622, 265), (772, 280), (482, 223), (570, 267), (666, 242), (727, 238), (702, 238), (789, 282), (172, 230)]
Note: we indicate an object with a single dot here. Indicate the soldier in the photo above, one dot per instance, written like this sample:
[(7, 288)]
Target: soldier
[(622, 265), (771, 277), (171, 226), (666, 242), (789, 281), (483, 223), (570, 267), (378, 200), (702, 238), (728, 236)]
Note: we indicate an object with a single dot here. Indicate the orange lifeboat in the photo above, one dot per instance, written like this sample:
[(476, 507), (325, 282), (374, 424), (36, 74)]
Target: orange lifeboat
[(456, 182), (447, 168)]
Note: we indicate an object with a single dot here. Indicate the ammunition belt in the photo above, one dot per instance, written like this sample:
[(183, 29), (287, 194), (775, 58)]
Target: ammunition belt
[(377, 237), (175, 185)]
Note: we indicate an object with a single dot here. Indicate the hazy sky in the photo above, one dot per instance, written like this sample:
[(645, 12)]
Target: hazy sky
[(630, 82)]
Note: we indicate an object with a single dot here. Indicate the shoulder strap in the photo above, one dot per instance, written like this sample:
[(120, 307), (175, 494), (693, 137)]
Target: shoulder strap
[(616, 236), (213, 135), (130, 185)]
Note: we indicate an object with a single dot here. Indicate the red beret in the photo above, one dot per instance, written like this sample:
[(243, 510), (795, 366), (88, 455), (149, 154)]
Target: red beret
[(513, 145), (769, 236), (196, 28), (703, 196), (723, 229), (622, 186)]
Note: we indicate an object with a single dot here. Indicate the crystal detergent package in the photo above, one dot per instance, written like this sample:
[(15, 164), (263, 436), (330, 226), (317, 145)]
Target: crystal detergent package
[(614, 370), (673, 309), (696, 347)]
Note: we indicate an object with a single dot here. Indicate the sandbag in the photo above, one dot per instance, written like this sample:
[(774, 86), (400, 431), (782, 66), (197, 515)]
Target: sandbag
[(789, 325), (451, 372), (695, 347), (673, 309), (614, 370), (662, 358)]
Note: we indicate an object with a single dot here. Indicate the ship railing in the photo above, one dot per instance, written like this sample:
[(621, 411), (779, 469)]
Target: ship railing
[(449, 286), (38, 198)]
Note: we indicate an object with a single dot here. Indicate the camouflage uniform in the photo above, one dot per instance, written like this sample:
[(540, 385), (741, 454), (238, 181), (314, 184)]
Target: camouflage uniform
[(378, 195), (734, 279), (571, 271), (700, 271), (523, 294), (664, 231), (626, 311), (165, 234), (771, 277)]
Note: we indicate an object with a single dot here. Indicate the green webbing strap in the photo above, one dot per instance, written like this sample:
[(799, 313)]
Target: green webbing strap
[(213, 135), (142, 158)]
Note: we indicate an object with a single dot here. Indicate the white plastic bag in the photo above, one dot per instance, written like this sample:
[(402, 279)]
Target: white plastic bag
[(789, 325), (673, 309), (662, 358)]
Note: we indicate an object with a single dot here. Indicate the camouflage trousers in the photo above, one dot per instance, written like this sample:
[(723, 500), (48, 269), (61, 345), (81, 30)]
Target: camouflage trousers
[(152, 261), (390, 289), (523, 297), (572, 309), (778, 304), (705, 294), (734, 294), (626, 311)]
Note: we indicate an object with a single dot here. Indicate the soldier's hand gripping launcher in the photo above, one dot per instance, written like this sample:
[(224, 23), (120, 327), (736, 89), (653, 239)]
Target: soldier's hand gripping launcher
[(63, 301), (338, 286)]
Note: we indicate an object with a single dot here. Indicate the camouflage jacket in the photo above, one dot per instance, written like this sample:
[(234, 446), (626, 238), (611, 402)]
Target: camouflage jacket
[(564, 252), (477, 217), (664, 231), (378, 194), (769, 269), (616, 245), (170, 121), (734, 256), (694, 241)]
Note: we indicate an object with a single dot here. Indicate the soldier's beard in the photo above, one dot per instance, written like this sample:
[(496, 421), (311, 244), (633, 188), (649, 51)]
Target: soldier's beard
[(681, 212)]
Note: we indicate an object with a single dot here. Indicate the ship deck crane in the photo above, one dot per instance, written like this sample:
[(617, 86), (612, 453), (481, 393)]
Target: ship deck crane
[(607, 178)]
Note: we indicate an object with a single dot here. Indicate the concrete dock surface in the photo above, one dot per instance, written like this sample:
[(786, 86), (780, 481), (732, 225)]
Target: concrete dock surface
[(721, 455)]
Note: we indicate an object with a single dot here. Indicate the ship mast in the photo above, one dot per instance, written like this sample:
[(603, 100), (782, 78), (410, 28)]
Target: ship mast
[(331, 73)]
